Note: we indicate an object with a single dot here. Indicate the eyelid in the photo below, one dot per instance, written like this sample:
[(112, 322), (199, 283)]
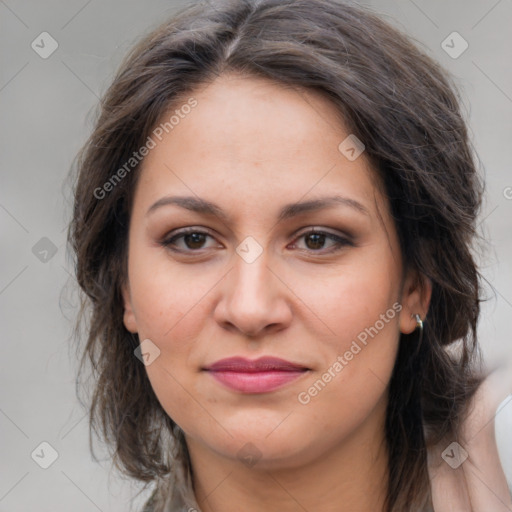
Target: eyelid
[(323, 231)]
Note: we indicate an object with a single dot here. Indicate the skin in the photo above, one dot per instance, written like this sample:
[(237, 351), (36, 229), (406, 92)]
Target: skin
[(479, 483), (251, 146)]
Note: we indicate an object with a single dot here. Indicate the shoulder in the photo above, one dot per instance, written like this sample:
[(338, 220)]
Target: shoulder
[(467, 471)]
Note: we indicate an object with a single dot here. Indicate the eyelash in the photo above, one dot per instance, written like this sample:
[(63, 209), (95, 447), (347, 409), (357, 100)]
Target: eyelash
[(340, 242)]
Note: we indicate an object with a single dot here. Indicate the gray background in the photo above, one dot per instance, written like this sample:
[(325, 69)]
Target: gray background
[(45, 107)]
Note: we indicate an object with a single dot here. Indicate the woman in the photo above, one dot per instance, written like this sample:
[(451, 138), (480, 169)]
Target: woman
[(273, 225)]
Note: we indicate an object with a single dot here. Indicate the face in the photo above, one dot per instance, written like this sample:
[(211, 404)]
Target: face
[(284, 256)]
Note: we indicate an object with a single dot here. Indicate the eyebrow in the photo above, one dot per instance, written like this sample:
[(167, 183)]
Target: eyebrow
[(288, 211)]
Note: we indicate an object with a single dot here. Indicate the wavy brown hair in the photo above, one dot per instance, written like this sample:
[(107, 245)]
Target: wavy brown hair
[(392, 96)]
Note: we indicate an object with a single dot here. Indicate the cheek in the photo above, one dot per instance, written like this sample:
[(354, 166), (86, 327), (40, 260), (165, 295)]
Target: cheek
[(169, 307), (359, 362), (360, 310), (353, 300), (164, 296)]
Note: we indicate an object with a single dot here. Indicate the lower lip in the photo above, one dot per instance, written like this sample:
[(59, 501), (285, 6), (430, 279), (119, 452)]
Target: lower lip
[(256, 382)]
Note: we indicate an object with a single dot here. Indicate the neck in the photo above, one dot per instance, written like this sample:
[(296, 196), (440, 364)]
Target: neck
[(351, 476)]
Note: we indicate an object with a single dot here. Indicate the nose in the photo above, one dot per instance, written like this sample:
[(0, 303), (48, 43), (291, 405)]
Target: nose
[(255, 301)]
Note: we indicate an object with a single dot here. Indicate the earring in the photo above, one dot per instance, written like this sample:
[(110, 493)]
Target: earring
[(419, 322)]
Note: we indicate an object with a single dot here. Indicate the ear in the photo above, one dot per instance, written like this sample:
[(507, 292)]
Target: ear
[(416, 295), (129, 317)]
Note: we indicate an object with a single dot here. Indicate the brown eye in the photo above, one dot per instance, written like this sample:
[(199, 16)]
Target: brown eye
[(191, 240), (315, 241), (194, 240)]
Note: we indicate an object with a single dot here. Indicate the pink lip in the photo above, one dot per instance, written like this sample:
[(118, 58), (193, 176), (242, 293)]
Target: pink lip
[(259, 376)]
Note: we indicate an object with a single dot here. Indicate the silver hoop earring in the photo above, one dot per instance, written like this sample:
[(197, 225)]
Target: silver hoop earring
[(419, 322), (419, 325)]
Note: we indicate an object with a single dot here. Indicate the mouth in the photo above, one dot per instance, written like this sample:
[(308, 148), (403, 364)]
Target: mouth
[(255, 376)]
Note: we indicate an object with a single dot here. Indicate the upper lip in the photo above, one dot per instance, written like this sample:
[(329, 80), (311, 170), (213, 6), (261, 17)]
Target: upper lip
[(262, 364)]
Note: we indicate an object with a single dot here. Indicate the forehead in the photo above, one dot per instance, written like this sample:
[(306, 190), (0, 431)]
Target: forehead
[(253, 138), (257, 118)]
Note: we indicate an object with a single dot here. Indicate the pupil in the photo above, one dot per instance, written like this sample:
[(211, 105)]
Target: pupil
[(318, 240), (194, 238)]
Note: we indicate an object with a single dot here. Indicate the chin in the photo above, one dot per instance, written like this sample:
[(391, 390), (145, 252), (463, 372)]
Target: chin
[(260, 449)]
